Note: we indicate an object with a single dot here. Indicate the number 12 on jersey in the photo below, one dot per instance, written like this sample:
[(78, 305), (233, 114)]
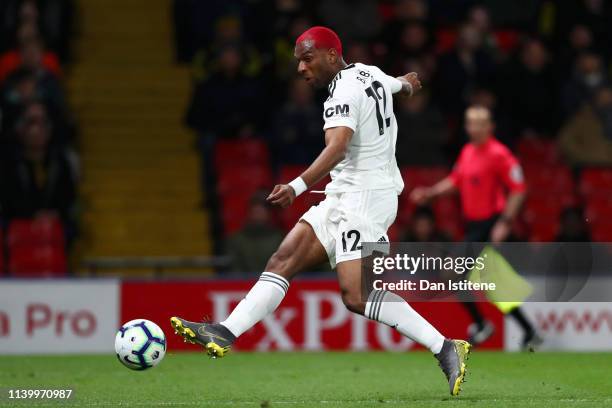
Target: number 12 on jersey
[(372, 92)]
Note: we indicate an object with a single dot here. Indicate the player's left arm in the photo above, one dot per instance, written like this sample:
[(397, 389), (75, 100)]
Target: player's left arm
[(405, 85), (337, 141), (512, 176)]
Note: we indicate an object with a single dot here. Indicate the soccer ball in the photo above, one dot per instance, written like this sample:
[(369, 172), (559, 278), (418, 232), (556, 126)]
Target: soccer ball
[(140, 344)]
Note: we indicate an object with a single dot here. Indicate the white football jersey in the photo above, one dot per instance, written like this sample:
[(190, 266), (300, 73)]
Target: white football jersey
[(361, 98)]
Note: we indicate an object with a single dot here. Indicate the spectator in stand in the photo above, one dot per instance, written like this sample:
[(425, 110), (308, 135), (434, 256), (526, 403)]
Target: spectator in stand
[(423, 227), (572, 227), (414, 42), (37, 178), (30, 54), (594, 14), (532, 105), (228, 33), (228, 103), (352, 20), (298, 135), (283, 59), (480, 18), (579, 41), (462, 69), (406, 12), (589, 75), (53, 18), (26, 85), (422, 132), (358, 51), (587, 138), (251, 247)]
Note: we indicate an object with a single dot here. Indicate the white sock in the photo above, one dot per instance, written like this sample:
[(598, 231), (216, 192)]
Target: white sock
[(263, 298), (392, 310)]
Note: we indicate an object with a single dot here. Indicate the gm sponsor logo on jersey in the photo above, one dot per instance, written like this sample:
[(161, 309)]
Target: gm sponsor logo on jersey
[(342, 110)]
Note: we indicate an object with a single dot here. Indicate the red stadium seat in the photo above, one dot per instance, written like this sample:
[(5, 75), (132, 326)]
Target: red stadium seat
[(422, 176), (601, 231), (244, 179), (417, 177), (445, 40), (1, 252), (507, 40), (549, 179), (234, 212), (243, 152), (542, 207), (46, 230), (599, 209), (538, 152), (37, 261), (594, 181), (290, 215), (543, 230)]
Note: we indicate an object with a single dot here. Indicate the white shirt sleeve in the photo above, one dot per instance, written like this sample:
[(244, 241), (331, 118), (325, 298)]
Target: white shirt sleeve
[(394, 84), (342, 106)]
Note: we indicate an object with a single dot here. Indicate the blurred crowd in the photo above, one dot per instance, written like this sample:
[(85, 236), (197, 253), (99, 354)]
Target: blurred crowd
[(38, 166), (542, 67)]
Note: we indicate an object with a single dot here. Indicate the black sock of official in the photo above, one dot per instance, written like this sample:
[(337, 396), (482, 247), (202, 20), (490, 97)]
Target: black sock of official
[(520, 318), (475, 313)]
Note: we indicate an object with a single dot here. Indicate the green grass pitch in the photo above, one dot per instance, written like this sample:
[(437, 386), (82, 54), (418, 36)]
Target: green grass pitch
[(318, 380)]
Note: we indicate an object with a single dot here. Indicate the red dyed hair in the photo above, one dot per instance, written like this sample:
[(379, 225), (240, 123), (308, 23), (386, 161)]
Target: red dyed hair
[(322, 37)]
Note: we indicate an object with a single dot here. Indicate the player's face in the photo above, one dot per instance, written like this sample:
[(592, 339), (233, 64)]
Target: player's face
[(313, 65)]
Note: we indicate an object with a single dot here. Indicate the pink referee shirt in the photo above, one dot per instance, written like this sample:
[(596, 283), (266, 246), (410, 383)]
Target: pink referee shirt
[(484, 175)]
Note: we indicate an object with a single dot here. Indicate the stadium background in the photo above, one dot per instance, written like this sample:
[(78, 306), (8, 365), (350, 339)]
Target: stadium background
[(137, 139)]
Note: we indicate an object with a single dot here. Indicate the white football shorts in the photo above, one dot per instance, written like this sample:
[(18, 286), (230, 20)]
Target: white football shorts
[(343, 221)]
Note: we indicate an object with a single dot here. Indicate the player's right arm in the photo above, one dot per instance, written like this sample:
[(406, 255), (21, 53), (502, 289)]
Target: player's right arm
[(422, 195), (341, 113), (337, 141)]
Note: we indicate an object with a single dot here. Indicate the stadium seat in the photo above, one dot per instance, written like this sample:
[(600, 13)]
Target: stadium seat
[(543, 230), (37, 261), (507, 40), (445, 40), (416, 177), (243, 152), (422, 176), (549, 179), (598, 209), (244, 180), (1, 252), (542, 207), (601, 231), (35, 231), (538, 152), (292, 214), (594, 181), (234, 212)]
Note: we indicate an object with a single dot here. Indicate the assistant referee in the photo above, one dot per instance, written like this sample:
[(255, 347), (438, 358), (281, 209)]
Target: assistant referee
[(490, 182)]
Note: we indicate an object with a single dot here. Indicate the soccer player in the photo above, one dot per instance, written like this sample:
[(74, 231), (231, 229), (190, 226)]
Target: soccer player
[(490, 182), (360, 205)]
